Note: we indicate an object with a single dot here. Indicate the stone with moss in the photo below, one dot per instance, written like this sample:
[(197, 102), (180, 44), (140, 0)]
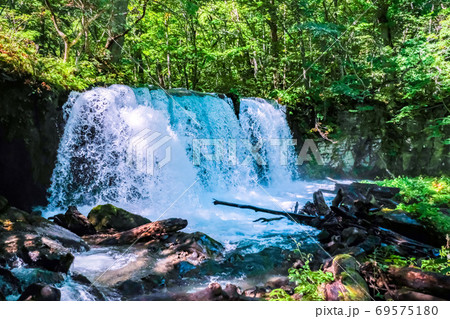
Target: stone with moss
[(348, 284), (106, 217)]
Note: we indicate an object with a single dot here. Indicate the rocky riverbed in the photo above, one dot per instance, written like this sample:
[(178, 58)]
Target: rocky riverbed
[(140, 259)]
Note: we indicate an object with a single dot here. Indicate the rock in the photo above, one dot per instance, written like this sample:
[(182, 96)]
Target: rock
[(9, 284), (16, 222), (36, 251), (39, 292), (348, 284), (323, 236), (353, 235), (130, 289), (425, 282), (74, 221), (370, 243), (232, 293), (319, 201), (147, 232), (257, 292), (182, 268), (212, 293), (199, 244), (79, 278), (341, 263), (153, 282), (105, 217), (277, 282), (2, 297), (38, 276)]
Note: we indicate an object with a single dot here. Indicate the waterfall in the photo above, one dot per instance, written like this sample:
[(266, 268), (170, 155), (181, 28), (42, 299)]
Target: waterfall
[(207, 142), (168, 154)]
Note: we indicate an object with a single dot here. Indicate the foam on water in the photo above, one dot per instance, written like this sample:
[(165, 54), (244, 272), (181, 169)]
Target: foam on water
[(93, 165)]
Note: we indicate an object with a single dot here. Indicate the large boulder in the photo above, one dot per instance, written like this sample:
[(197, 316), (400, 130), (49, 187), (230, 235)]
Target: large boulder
[(39, 292), (348, 284), (74, 221), (15, 221), (36, 241), (106, 217)]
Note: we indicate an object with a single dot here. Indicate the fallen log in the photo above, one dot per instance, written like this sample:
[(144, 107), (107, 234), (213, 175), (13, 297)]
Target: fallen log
[(426, 282), (293, 216), (411, 246), (144, 232)]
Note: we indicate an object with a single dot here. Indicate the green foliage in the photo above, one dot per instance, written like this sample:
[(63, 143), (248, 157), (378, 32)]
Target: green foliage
[(307, 283), (423, 198), (318, 57), (387, 256), (440, 264)]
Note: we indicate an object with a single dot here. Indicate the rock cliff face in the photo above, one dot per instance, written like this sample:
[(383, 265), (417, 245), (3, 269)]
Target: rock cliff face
[(30, 130), (367, 146)]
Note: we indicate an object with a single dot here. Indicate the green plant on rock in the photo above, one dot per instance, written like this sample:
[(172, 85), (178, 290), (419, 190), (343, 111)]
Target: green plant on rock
[(440, 264), (424, 198), (307, 281)]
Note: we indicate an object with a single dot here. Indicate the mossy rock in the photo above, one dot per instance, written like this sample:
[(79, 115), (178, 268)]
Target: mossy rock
[(108, 216), (348, 284)]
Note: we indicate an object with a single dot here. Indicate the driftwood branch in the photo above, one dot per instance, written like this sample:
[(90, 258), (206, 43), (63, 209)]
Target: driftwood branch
[(292, 216), (145, 232)]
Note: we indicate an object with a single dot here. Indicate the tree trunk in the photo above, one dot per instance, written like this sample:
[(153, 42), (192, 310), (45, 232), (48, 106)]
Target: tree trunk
[(118, 26)]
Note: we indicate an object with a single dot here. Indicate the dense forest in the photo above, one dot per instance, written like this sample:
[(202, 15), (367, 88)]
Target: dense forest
[(325, 55), (91, 88)]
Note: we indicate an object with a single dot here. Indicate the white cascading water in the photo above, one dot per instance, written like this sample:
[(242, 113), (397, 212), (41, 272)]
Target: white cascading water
[(213, 154), (94, 166)]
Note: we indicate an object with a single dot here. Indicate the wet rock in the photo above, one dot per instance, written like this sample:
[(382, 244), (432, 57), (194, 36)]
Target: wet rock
[(38, 276), (257, 292), (105, 217), (323, 236), (182, 268), (9, 284), (91, 289), (370, 243), (34, 250), (198, 244), (153, 282), (353, 235), (39, 292), (425, 282), (74, 221), (130, 288), (277, 282), (232, 292), (14, 222), (212, 293)]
